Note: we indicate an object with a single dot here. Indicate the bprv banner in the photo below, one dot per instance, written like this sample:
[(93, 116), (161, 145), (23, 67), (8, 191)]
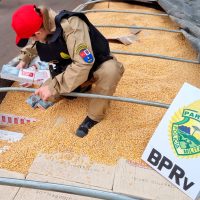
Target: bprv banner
[(174, 149)]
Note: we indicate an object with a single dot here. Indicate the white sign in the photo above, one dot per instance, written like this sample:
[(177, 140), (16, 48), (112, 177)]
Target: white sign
[(10, 136), (174, 149)]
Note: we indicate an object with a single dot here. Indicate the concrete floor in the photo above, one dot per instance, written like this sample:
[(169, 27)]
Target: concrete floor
[(8, 49)]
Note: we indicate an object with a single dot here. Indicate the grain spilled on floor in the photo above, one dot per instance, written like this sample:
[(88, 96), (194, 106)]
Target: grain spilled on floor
[(127, 127)]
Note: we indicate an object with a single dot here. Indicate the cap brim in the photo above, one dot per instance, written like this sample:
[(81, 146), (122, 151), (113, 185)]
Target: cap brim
[(21, 42)]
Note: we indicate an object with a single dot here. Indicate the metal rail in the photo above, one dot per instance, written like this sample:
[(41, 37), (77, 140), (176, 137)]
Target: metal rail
[(155, 56), (64, 189), (124, 11), (91, 2), (139, 27), (82, 6), (97, 1), (97, 96)]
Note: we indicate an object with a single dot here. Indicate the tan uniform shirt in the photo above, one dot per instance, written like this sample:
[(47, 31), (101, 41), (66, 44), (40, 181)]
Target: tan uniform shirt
[(75, 33)]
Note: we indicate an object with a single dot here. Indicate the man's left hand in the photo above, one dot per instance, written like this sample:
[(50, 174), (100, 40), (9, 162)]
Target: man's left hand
[(43, 92)]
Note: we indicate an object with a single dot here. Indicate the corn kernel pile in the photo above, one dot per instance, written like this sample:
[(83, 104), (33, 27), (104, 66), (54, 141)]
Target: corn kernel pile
[(127, 127)]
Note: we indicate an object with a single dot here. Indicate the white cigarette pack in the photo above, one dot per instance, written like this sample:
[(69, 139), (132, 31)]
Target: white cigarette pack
[(27, 75), (41, 76)]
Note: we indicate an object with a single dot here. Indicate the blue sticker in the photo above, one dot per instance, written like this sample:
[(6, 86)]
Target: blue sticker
[(86, 55)]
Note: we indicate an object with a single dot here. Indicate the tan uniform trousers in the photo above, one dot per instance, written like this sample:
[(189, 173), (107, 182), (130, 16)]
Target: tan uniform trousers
[(106, 79)]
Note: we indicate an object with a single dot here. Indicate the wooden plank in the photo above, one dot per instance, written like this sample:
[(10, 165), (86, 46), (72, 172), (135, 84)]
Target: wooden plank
[(78, 169), (8, 192), (143, 182)]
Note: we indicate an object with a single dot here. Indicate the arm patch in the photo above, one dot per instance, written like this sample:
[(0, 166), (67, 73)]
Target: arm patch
[(85, 53)]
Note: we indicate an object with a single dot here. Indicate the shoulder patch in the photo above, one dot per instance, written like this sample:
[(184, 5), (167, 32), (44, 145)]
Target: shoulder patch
[(85, 53)]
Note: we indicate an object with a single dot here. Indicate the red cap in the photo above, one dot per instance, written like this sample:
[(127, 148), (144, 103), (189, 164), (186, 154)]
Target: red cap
[(25, 22)]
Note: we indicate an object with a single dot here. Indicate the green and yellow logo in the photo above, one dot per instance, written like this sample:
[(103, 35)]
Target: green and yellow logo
[(64, 55), (184, 131)]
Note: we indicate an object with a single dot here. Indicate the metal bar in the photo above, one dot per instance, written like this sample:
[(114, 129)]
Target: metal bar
[(64, 188), (79, 8), (97, 96), (97, 1), (91, 2), (139, 27), (123, 99), (124, 11), (155, 56), (82, 6)]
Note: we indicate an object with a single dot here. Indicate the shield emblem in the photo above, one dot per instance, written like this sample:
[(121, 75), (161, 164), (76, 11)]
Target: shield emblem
[(184, 131)]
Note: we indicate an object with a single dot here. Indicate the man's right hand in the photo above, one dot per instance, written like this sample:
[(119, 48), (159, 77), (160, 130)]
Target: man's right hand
[(21, 65)]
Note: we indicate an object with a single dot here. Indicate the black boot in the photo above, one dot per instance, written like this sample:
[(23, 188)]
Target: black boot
[(85, 126)]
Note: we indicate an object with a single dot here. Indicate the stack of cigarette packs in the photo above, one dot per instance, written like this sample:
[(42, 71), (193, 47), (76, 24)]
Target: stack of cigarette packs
[(37, 72)]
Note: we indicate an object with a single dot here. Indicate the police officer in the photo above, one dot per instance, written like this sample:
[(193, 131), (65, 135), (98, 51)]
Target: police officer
[(79, 54)]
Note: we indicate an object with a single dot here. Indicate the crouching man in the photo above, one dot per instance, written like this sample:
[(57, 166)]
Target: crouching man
[(79, 54)]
